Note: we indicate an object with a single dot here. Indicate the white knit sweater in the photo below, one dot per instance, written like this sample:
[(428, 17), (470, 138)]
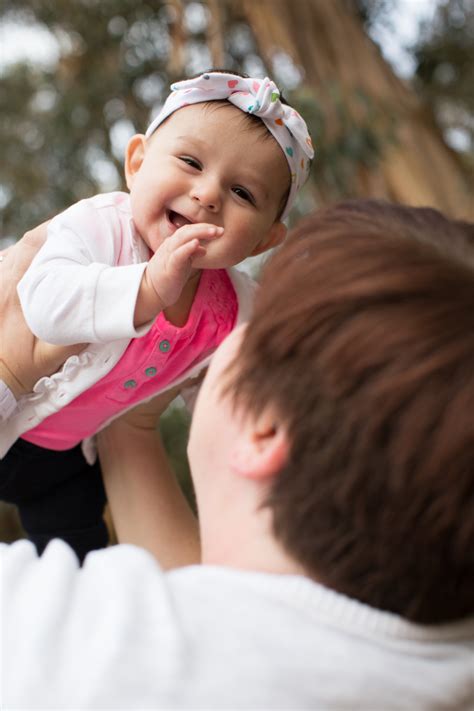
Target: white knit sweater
[(121, 634)]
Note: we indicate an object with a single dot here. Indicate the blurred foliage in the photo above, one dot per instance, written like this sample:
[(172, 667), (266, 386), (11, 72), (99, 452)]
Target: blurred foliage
[(444, 65), (372, 12), (59, 122), (341, 153), (64, 126), (174, 428), (445, 68)]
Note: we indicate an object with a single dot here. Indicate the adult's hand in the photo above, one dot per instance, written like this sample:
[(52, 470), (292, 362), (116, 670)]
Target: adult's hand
[(23, 358)]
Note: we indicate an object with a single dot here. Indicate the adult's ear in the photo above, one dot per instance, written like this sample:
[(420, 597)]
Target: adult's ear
[(261, 449), (134, 155)]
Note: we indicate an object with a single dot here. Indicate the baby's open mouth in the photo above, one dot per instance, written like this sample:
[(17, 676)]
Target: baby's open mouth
[(177, 220)]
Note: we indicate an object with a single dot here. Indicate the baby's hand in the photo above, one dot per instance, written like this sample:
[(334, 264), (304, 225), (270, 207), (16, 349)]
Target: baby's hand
[(170, 267)]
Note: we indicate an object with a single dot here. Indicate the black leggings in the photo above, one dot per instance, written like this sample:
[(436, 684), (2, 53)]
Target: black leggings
[(58, 495)]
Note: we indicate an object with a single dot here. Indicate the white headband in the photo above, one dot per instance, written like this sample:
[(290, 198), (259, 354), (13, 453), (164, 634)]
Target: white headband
[(259, 97)]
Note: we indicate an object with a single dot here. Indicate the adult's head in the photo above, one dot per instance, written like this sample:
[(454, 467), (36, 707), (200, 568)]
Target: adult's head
[(353, 393)]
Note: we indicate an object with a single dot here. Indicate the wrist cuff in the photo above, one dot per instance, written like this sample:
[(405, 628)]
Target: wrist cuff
[(7, 401)]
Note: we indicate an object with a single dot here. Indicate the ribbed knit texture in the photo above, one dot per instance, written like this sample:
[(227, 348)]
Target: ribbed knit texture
[(121, 634)]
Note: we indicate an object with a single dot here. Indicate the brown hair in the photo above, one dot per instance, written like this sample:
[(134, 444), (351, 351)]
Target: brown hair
[(363, 340)]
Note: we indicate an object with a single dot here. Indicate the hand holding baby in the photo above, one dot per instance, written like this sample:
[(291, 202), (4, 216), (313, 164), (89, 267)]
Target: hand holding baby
[(24, 359)]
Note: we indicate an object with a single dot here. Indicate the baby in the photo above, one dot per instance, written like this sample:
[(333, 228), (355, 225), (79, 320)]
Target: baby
[(146, 279)]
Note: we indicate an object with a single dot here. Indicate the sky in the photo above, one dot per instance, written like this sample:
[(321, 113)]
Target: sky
[(38, 44), (405, 18), (18, 42)]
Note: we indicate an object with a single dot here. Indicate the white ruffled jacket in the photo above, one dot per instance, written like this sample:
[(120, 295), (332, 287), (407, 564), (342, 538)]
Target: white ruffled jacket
[(99, 230)]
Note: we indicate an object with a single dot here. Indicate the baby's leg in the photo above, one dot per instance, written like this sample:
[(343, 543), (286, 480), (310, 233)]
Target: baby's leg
[(58, 495)]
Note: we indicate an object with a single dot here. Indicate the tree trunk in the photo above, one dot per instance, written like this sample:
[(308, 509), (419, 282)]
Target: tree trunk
[(357, 92)]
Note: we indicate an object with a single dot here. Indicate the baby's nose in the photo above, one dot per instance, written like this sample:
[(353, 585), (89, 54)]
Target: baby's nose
[(208, 194)]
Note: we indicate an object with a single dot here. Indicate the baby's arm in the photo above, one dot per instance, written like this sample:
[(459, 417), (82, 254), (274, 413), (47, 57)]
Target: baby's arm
[(73, 292), (169, 269)]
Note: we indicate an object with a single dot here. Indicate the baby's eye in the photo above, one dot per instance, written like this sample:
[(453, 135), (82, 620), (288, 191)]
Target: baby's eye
[(191, 161), (244, 194)]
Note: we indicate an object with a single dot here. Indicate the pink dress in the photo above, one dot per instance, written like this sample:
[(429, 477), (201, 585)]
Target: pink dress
[(149, 365)]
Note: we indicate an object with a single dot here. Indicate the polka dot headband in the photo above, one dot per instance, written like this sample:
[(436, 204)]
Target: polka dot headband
[(259, 97)]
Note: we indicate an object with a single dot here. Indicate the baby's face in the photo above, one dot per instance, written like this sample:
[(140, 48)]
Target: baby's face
[(208, 165)]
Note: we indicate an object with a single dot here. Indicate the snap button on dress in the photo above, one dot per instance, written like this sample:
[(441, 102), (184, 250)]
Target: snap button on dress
[(164, 346)]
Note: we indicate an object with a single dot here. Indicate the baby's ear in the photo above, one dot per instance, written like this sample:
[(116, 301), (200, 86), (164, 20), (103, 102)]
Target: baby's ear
[(274, 237), (134, 156)]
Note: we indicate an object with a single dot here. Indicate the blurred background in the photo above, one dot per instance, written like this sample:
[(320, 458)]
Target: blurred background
[(386, 87)]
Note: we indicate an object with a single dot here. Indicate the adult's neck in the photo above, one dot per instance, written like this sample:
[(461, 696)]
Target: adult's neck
[(246, 542)]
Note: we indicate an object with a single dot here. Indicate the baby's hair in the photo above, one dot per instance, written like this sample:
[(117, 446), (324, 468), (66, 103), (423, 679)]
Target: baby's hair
[(249, 122)]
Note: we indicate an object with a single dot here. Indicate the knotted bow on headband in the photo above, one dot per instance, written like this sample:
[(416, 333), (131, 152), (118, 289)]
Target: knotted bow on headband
[(259, 97)]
